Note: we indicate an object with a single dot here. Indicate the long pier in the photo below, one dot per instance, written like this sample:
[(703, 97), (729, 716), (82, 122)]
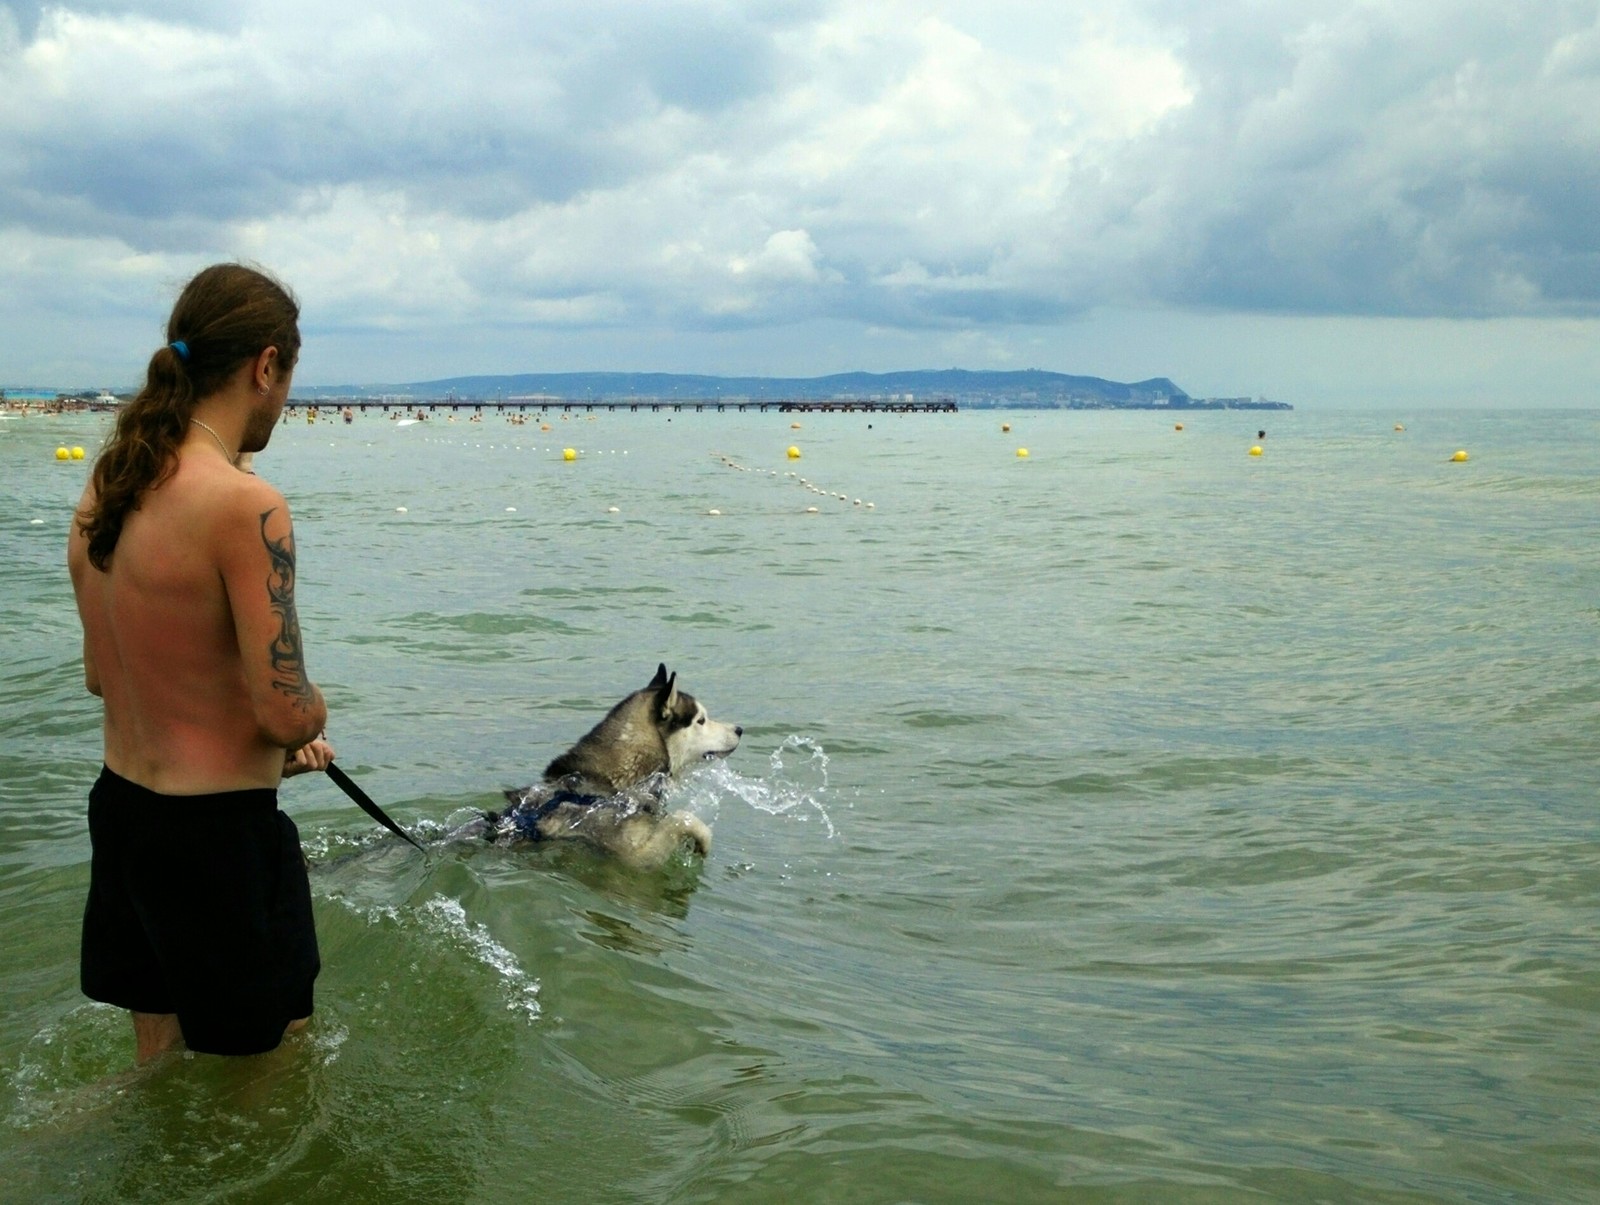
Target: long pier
[(584, 405)]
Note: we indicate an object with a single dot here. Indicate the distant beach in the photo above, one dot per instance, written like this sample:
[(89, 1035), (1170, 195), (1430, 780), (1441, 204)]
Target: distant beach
[(21, 404)]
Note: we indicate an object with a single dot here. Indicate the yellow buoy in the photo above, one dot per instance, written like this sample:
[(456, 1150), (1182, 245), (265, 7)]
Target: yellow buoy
[(569, 454), (63, 454), (794, 452), (1022, 453), (794, 426), (1399, 427), (1460, 456), (1256, 451), (1177, 426), (544, 426)]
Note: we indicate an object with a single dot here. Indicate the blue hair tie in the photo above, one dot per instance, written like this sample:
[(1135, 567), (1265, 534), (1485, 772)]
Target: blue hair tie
[(182, 348)]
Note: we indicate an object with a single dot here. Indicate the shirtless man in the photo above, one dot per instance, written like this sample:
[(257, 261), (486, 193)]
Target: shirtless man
[(199, 913)]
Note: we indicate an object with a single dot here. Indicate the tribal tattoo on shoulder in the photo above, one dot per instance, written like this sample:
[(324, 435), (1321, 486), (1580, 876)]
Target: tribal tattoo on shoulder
[(286, 653)]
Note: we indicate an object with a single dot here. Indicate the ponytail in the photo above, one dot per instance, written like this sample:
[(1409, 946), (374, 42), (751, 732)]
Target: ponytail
[(226, 316)]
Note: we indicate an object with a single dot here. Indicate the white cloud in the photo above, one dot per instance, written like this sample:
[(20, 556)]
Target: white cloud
[(701, 166), (789, 256)]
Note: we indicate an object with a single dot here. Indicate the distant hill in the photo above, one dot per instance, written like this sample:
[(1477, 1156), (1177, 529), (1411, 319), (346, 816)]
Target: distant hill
[(1032, 387)]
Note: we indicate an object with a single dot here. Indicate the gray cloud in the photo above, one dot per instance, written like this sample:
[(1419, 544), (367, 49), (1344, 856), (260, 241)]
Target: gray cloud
[(715, 166), (1427, 158)]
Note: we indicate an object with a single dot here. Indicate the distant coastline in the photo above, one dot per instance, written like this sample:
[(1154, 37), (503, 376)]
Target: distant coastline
[(1033, 389)]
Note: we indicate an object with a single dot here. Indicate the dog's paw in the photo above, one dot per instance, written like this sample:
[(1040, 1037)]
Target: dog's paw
[(694, 830)]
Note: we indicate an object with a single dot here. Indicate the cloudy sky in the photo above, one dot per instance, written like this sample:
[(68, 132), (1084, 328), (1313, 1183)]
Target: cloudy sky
[(1330, 202)]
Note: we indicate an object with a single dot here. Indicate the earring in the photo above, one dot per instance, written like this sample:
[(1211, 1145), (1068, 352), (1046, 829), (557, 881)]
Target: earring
[(262, 391)]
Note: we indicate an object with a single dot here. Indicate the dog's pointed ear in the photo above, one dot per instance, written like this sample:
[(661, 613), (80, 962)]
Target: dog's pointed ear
[(667, 696), (660, 679)]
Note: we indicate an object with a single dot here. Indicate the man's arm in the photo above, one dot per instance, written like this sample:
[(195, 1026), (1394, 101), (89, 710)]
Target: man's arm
[(78, 567), (317, 755), (91, 671), (258, 570)]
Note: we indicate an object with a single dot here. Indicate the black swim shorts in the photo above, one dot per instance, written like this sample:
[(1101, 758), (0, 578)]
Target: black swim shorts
[(199, 905)]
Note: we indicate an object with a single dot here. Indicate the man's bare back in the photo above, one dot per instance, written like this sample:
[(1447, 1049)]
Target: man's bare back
[(191, 637)]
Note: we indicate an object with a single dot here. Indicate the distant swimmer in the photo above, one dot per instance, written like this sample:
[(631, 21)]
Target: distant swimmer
[(1261, 434)]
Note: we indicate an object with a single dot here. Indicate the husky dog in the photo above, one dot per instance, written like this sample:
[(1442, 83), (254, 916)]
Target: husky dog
[(606, 790)]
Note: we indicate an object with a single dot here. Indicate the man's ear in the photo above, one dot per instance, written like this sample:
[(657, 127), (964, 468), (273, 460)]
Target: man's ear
[(266, 368)]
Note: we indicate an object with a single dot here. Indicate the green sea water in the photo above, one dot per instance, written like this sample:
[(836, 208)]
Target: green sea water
[(1136, 821)]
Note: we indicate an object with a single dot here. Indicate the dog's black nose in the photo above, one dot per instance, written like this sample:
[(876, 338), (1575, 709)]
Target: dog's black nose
[(738, 730)]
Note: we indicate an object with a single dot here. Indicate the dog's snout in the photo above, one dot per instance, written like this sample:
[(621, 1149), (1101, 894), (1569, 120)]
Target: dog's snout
[(738, 730)]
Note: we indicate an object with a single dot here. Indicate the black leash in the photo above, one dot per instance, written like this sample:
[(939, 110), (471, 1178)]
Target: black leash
[(364, 802)]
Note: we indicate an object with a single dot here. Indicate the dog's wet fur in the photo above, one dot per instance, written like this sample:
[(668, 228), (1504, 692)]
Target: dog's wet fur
[(606, 791)]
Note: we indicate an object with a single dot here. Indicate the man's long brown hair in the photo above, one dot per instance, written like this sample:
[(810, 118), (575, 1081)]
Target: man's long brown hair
[(225, 316)]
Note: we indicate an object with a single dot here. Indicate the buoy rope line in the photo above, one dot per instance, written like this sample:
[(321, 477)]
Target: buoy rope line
[(579, 452), (731, 463)]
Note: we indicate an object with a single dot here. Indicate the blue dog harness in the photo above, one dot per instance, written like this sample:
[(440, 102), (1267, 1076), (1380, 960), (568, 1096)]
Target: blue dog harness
[(524, 818)]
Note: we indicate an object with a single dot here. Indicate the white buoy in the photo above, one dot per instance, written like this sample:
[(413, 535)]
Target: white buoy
[(399, 510)]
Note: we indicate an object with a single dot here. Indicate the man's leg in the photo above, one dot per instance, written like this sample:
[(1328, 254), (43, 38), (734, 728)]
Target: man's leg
[(155, 1033)]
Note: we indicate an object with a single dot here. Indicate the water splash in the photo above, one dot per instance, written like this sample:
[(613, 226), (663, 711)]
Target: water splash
[(326, 1041), (447, 917), (72, 1066), (796, 787), (327, 845)]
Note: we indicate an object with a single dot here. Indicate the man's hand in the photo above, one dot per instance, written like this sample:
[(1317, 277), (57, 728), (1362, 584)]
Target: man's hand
[(315, 755)]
